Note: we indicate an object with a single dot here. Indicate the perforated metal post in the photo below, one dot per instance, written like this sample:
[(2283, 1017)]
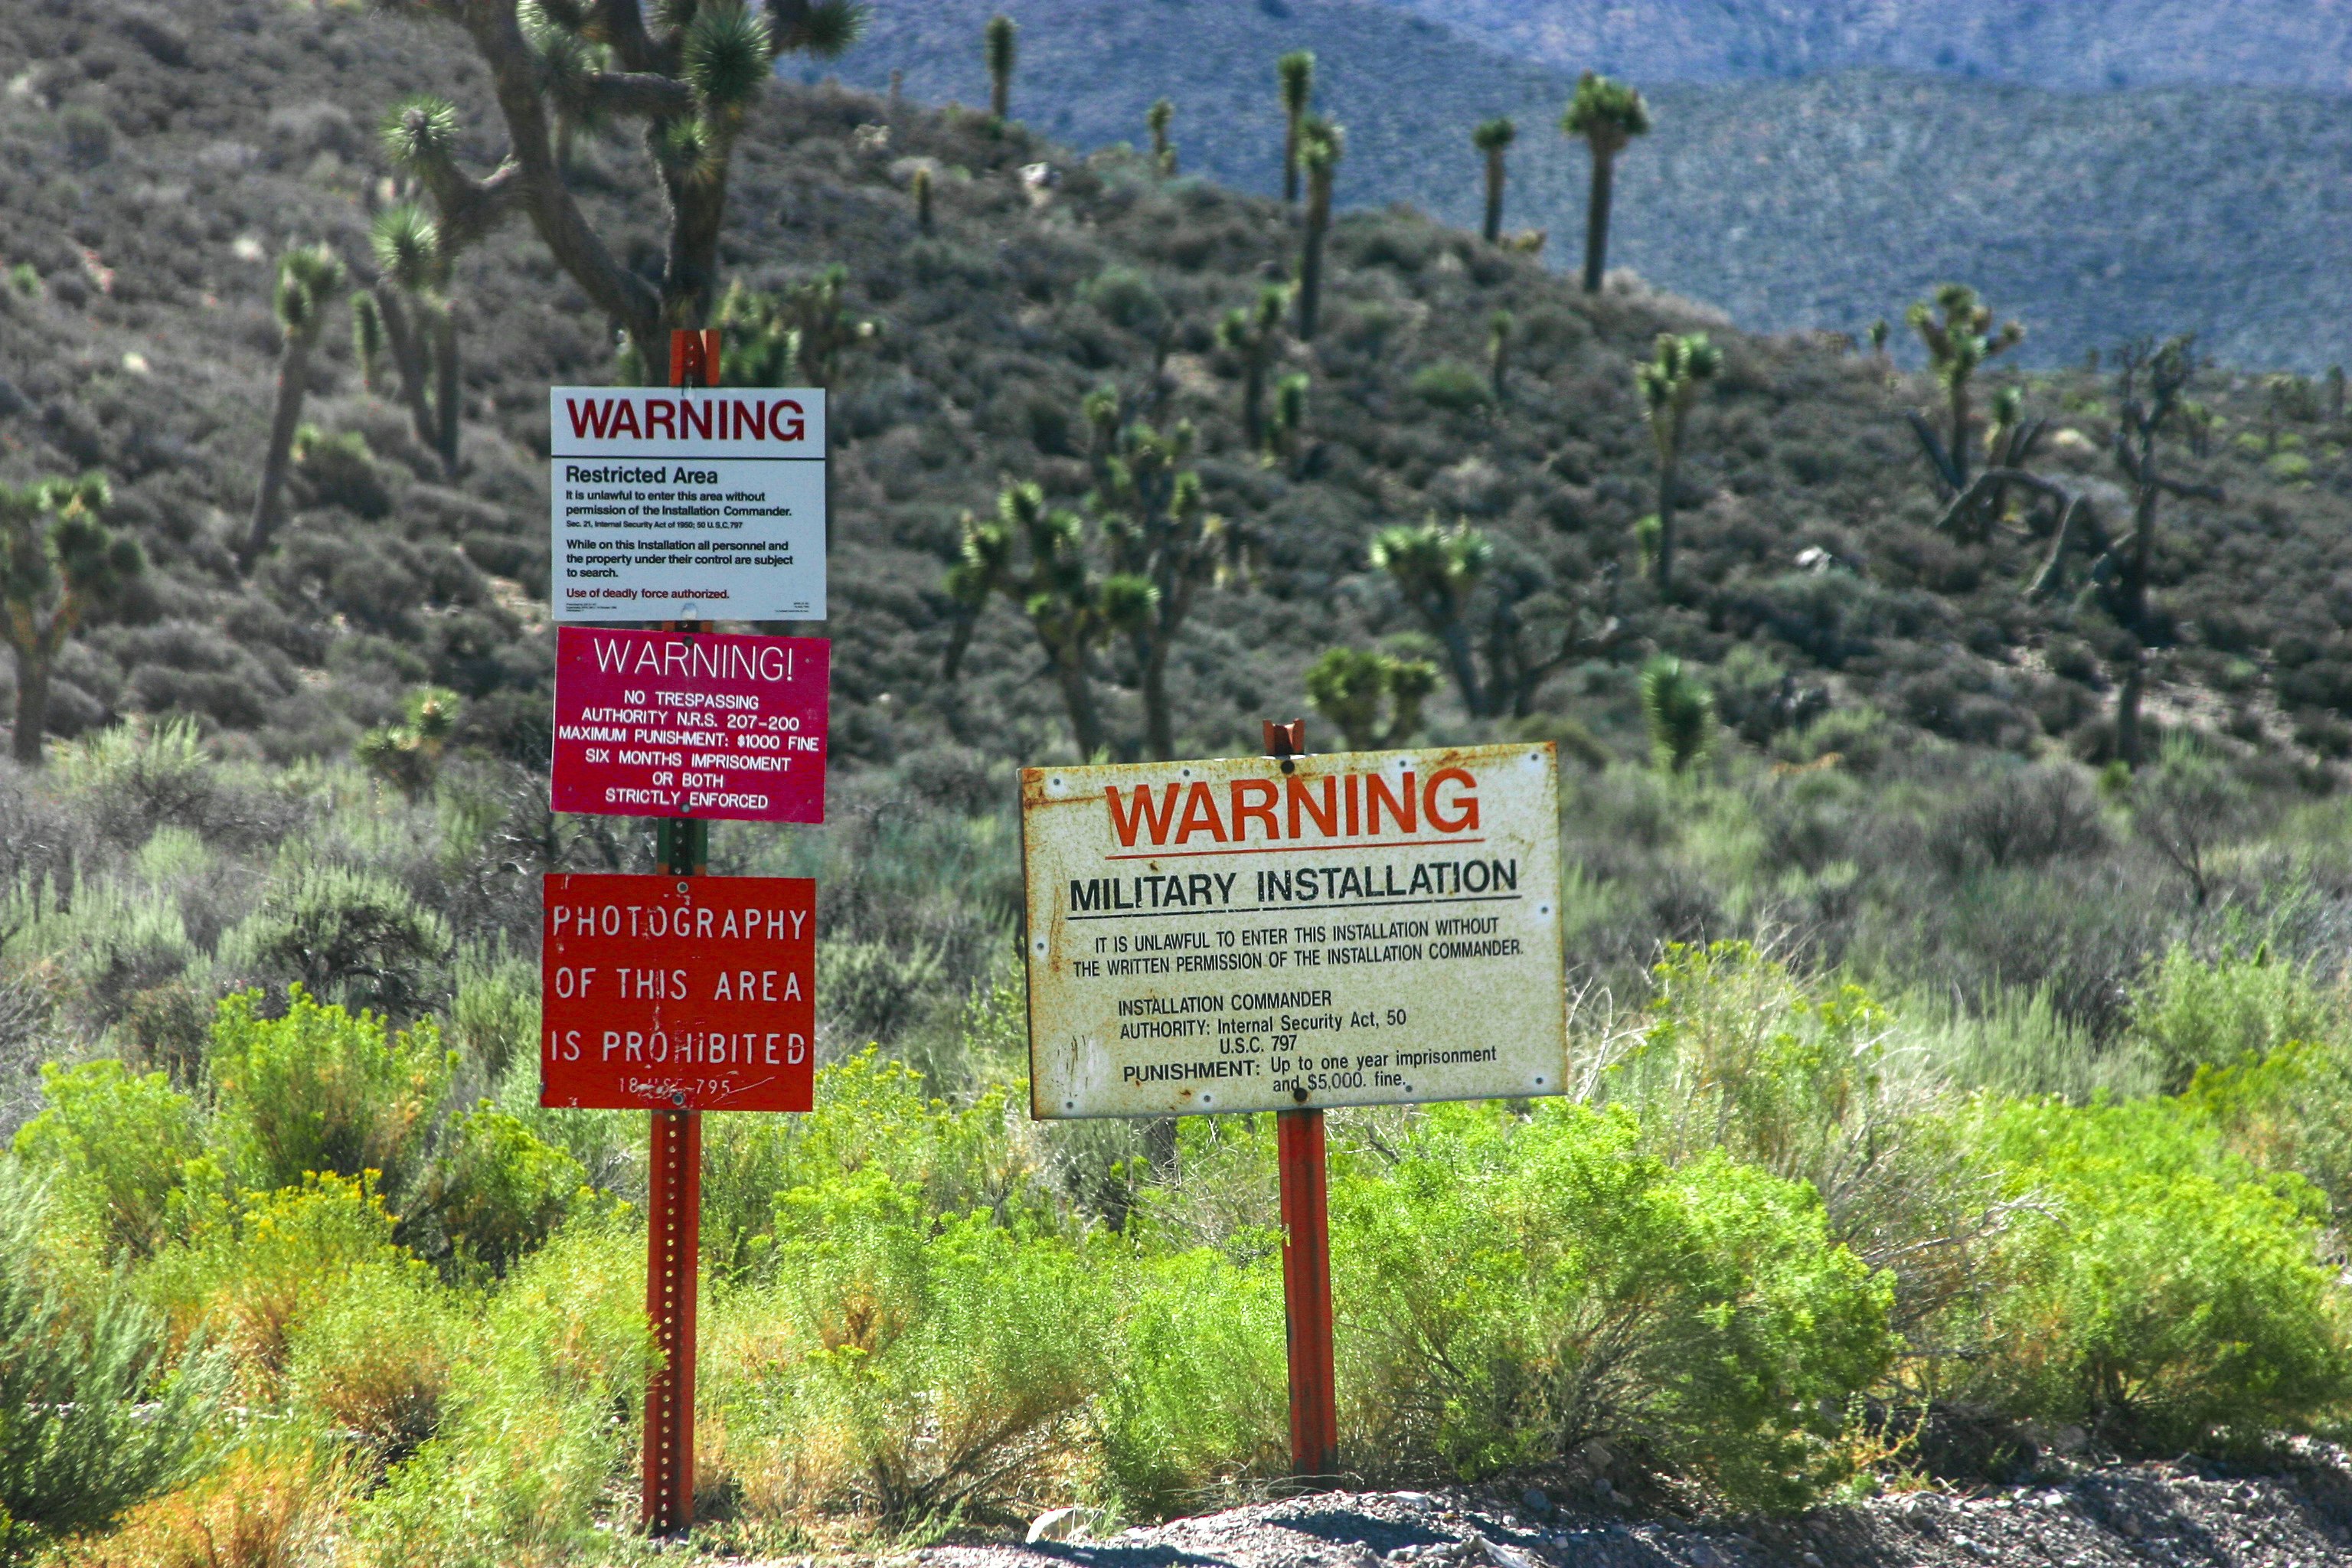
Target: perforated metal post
[(674, 1162), (674, 1226), (1305, 1247)]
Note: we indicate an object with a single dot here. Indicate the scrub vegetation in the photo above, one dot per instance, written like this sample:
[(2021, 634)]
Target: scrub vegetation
[(1957, 847), (1948, 1133)]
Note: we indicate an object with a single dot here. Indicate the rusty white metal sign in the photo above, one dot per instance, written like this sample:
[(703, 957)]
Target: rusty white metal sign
[(687, 503), (1366, 928)]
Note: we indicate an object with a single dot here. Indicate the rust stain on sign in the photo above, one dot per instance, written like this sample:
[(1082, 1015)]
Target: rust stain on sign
[(1255, 934)]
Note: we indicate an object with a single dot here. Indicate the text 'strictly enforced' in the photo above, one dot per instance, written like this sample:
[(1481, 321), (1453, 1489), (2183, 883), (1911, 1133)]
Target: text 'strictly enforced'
[(661, 724), (678, 992), (687, 504), (1253, 934)]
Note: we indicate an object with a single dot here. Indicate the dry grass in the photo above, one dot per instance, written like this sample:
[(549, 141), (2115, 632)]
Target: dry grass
[(257, 1511)]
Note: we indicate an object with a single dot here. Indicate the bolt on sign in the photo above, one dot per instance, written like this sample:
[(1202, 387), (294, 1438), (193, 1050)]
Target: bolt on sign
[(683, 503), (1362, 928), (673, 993), (656, 723)]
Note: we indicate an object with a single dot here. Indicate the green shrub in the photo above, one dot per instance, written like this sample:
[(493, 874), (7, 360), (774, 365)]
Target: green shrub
[(93, 1419), (1200, 1387), (1127, 298), (1513, 1289), (942, 1358), (497, 1191), (2197, 1013), (256, 1272), (869, 991), (537, 1420), (322, 1089), (342, 471), (2285, 1111), (494, 1014), (867, 1113), (107, 941), (1452, 385), (135, 778), (115, 1146), (372, 1361), (2152, 1287), (353, 936)]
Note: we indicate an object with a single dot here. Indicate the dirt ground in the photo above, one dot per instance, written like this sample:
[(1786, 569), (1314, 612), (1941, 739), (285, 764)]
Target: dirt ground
[(2185, 1513)]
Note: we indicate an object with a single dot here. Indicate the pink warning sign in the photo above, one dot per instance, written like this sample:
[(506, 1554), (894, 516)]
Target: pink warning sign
[(672, 724)]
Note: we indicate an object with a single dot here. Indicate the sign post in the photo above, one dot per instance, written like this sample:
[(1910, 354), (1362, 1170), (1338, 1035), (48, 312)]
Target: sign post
[(1287, 933), (1303, 1173), (678, 992)]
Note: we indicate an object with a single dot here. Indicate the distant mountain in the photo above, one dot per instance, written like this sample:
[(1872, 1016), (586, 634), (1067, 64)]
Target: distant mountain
[(2042, 43), (1820, 202)]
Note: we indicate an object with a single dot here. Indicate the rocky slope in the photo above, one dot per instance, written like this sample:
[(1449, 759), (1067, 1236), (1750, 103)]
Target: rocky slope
[(1820, 202), (2081, 43), (152, 163)]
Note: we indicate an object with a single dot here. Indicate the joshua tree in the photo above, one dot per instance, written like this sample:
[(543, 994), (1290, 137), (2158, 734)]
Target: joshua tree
[(1288, 425), (1254, 336), (1670, 381), (1493, 138), (1437, 569), (368, 344), (1160, 546), (1533, 630), (794, 337), (1607, 114), (1003, 39), (1959, 340), (2150, 384), (412, 300), (1321, 145), (408, 755), (2009, 444), (691, 72), (57, 563), (1679, 713), (2336, 392), (1351, 686), (1500, 329), (922, 189), (309, 278), (1157, 531), (1295, 71), (1878, 329), (1163, 154), (1037, 557)]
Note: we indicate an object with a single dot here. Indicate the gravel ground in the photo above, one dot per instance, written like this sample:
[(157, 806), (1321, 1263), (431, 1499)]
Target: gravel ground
[(2144, 1513)]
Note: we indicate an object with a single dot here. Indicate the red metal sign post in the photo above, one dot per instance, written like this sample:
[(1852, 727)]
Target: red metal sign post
[(1305, 1247), (674, 1162)]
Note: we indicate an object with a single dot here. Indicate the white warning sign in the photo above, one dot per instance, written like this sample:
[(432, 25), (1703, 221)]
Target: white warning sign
[(686, 503), (1253, 934)]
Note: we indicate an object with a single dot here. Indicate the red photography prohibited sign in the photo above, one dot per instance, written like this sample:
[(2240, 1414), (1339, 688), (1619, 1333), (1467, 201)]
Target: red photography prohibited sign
[(663, 724), (678, 992)]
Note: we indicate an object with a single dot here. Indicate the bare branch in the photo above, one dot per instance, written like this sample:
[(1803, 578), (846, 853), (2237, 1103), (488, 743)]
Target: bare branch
[(514, 76)]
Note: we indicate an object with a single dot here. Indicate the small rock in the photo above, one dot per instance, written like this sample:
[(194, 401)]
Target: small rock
[(1811, 1559), (1502, 1556), (1705, 1556), (1534, 1501), (1058, 1524), (1602, 1489)]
